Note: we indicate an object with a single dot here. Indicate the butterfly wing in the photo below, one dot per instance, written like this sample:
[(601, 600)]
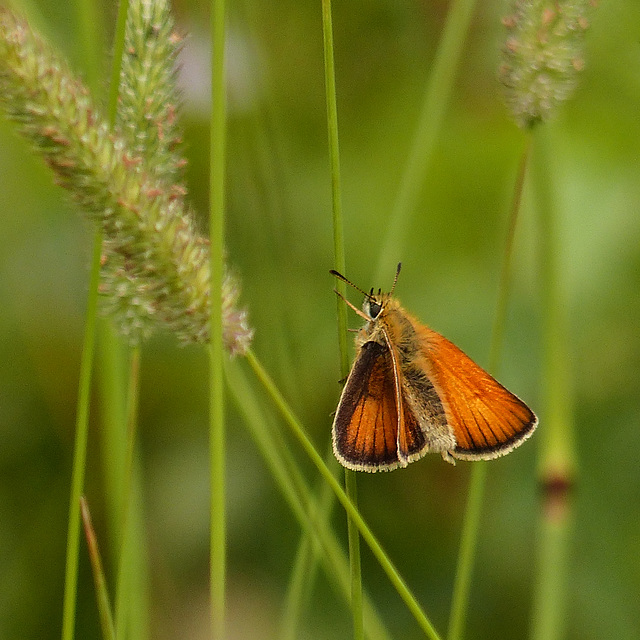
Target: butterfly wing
[(365, 429), (411, 441), (487, 420)]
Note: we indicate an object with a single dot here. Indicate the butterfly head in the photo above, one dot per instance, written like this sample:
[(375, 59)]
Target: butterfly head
[(374, 304)]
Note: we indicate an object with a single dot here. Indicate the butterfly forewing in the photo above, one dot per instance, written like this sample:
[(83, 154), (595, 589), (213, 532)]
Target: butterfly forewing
[(487, 420), (366, 422)]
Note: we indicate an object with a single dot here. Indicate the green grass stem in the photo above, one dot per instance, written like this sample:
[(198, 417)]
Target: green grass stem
[(557, 464), (351, 489), (131, 606), (217, 165), (351, 484), (303, 574), (80, 448), (90, 49), (90, 42), (89, 32), (306, 507), (301, 582), (104, 604), (382, 558), (111, 380), (467, 551), (558, 455), (116, 64), (504, 287), (436, 98), (336, 189), (550, 594), (477, 483), (126, 579)]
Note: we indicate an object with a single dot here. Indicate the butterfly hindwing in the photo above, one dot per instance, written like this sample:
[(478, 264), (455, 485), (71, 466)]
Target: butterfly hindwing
[(487, 420), (412, 443)]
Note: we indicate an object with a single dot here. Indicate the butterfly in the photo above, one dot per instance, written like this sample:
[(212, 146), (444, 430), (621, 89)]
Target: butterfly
[(411, 391)]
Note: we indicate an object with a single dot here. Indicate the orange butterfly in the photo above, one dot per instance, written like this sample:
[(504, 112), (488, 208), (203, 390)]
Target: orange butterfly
[(411, 391)]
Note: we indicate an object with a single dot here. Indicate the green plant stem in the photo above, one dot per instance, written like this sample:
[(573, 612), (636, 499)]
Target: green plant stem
[(351, 488), (90, 45), (504, 288), (557, 464), (125, 577), (87, 19), (558, 454), (298, 432), (550, 596), (80, 448), (216, 372), (113, 418), (334, 159), (351, 483), (309, 511), (436, 97), (467, 551), (104, 606), (301, 581), (336, 190), (300, 587), (116, 67), (477, 483), (121, 426), (111, 353), (304, 571)]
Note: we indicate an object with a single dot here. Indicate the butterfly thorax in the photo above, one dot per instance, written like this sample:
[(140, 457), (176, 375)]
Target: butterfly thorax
[(395, 330)]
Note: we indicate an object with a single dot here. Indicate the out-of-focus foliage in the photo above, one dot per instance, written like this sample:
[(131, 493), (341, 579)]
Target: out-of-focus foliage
[(279, 236)]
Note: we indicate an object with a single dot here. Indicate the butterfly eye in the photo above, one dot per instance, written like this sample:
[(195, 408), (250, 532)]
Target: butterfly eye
[(374, 309)]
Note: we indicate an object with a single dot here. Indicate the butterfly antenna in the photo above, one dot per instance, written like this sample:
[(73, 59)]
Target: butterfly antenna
[(337, 274), (396, 278)]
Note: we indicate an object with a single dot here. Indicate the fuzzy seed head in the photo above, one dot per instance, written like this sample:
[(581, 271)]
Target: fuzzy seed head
[(155, 266), (542, 56)]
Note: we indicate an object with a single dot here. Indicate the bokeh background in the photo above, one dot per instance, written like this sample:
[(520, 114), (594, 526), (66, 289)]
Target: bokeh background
[(280, 242)]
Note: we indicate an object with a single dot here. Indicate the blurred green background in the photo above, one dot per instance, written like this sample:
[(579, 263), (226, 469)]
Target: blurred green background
[(280, 242)]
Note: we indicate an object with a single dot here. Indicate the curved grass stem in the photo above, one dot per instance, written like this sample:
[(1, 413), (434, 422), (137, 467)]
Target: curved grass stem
[(298, 432)]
